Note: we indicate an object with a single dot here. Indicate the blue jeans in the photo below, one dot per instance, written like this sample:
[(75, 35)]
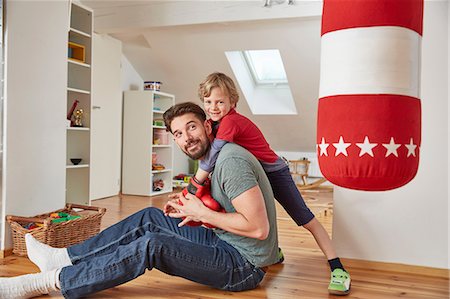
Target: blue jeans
[(286, 193), (147, 240)]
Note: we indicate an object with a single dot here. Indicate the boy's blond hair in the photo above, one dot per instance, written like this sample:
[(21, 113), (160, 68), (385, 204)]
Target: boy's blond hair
[(222, 81)]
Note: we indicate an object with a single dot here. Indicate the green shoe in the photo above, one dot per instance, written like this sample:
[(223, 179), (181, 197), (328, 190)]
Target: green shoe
[(339, 283), (280, 256)]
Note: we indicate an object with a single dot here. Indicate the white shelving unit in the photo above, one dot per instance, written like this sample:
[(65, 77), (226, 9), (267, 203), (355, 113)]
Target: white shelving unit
[(141, 108), (79, 86)]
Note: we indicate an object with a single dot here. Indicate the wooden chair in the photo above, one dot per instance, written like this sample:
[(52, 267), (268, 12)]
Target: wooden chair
[(299, 168)]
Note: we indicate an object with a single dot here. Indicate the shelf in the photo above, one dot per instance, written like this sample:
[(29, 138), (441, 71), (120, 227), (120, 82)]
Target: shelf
[(142, 126), (179, 183), (69, 60), (161, 171), (77, 129), (159, 94), (81, 18), (80, 32), (78, 90), (77, 166), (160, 192)]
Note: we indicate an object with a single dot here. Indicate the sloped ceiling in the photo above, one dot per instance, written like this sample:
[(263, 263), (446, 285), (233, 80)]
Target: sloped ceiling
[(180, 42)]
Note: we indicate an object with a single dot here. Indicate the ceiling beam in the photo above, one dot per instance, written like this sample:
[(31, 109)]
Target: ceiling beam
[(123, 16)]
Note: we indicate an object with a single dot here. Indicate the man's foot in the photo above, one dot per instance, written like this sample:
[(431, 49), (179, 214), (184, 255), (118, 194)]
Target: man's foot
[(340, 282), (29, 285), (46, 257)]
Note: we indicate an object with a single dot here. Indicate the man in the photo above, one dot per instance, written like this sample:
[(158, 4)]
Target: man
[(230, 257)]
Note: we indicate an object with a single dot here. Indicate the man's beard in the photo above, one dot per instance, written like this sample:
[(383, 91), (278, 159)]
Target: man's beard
[(203, 149)]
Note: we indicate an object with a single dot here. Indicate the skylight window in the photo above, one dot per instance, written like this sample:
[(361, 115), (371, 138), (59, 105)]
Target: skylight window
[(263, 81), (266, 66)]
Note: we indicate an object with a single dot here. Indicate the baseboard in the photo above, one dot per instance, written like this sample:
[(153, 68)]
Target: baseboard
[(5, 253), (402, 268)]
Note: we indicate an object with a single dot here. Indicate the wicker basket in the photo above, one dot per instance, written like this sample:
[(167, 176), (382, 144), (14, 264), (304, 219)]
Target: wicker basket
[(62, 234)]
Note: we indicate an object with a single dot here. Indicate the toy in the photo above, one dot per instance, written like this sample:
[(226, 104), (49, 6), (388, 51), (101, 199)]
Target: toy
[(30, 226), (158, 122), (182, 177), (62, 217), (71, 111), (55, 218), (158, 167), (78, 115), (158, 185), (179, 176)]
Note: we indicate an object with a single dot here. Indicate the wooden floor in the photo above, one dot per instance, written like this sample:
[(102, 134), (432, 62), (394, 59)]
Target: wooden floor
[(304, 274)]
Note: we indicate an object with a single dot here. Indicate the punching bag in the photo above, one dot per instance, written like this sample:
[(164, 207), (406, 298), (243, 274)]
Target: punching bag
[(369, 113)]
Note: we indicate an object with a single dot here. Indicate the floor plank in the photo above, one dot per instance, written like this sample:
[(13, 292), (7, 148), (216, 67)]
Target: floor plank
[(304, 274)]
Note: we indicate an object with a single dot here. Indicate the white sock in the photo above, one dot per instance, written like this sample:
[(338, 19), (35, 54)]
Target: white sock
[(29, 285), (46, 257)]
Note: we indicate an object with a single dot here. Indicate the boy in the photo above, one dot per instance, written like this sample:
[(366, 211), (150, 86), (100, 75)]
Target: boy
[(219, 96)]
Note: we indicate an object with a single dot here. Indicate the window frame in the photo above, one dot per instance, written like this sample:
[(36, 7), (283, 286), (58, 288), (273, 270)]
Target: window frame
[(254, 74)]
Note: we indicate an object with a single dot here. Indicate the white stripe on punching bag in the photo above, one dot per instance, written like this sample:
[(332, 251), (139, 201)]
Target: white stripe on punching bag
[(370, 60)]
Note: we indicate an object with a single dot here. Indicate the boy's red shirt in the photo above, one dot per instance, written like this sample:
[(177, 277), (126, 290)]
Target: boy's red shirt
[(238, 129)]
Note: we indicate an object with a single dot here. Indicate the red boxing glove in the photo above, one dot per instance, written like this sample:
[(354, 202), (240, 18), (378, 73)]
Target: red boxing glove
[(197, 189), (211, 203), (202, 192)]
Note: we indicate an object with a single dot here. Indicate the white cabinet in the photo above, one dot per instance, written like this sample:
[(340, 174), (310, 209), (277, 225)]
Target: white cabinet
[(147, 154), (79, 87)]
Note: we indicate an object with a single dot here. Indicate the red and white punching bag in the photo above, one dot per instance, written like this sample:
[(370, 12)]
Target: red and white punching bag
[(369, 115)]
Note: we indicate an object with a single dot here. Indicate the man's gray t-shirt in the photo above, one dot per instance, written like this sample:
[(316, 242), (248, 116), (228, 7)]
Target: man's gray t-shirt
[(237, 171)]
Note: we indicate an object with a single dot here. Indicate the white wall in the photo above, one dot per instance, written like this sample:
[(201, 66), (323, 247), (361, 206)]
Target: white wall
[(130, 78), (408, 225), (180, 161), (35, 109), (297, 39)]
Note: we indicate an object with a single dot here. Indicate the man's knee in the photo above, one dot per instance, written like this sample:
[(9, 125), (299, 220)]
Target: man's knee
[(154, 215), (151, 211)]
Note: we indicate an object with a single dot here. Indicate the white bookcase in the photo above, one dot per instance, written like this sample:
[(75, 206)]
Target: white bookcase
[(79, 87), (142, 141)]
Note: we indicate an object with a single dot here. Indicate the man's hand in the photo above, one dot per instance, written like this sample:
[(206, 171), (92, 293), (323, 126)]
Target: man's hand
[(168, 209), (188, 207), (173, 197)]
